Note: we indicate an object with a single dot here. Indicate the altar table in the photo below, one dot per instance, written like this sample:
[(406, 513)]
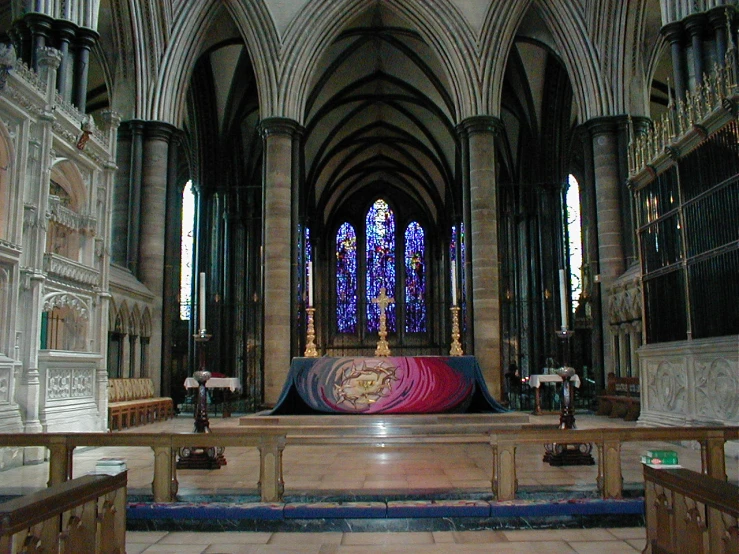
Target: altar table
[(231, 383), (536, 380), (385, 385)]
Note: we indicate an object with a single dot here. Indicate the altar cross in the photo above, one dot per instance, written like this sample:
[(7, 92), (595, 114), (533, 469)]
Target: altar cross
[(382, 301)]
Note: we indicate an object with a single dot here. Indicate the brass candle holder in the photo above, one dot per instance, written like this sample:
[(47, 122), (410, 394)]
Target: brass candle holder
[(310, 345), (456, 349)]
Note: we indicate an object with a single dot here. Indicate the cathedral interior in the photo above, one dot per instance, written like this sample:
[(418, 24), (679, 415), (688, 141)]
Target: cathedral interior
[(293, 158)]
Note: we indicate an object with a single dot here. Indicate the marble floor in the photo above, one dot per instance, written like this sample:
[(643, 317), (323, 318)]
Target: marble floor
[(362, 471)]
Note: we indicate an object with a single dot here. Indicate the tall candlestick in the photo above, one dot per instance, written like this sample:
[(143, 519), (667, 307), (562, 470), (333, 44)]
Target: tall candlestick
[(562, 298), (310, 284), (201, 306), (454, 282)]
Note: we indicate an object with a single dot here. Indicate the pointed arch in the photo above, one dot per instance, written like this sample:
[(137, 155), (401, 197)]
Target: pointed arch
[(438, 22), (578, 54), (189, 33)]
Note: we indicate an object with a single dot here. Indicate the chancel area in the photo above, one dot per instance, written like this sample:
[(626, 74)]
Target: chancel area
[(245, 186)]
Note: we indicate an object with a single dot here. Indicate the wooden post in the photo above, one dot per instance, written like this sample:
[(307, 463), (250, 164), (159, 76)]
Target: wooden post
[(271, 484), (505, 460), (713, 462), (60, 461), (164, 485), (609, 460)]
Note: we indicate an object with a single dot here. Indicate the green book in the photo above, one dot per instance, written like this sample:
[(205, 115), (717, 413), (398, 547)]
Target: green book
[(661, 453), (659, 461)]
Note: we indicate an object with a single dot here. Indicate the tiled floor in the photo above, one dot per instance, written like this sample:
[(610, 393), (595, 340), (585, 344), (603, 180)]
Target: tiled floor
[(559, 541), (318, 471)]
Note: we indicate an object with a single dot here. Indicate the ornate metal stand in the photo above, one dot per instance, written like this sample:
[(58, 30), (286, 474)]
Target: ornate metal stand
[(201, 457), (567, 454), (383, 300), (456, 349), (310, 345)]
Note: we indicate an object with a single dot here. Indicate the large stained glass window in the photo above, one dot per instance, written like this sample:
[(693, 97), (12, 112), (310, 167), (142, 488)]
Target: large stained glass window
[(380, 270), (415, 279), (186, 251), (346, 279), (574, 232)]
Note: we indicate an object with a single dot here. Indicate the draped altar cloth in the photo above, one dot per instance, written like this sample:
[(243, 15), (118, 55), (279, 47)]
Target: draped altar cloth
[(385, 385)]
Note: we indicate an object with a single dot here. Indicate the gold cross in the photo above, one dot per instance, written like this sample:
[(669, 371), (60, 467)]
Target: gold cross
[(383, 300)]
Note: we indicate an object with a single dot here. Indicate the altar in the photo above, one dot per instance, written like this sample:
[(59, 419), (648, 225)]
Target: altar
[(385, 385)]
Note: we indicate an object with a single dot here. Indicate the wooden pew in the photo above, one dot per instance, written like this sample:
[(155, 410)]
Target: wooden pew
[(131, 402), (622, 398), (690, 512), (82, 515)]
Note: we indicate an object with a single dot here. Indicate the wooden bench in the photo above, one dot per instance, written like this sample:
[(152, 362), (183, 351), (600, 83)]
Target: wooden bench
[(622, 398), (131, 402)]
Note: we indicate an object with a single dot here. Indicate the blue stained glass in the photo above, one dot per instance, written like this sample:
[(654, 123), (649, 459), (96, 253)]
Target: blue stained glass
[(380, 224), (346, 279), (415, 279)]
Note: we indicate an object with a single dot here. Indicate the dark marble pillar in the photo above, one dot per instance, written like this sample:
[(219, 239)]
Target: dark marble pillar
[(85, 39), (695, 25), (40, 28), (65, 32), (674, 34)]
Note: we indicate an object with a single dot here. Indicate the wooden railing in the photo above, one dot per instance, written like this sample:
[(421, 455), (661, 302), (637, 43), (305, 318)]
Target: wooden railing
[(271, 440), (82, 515), (690, 512)]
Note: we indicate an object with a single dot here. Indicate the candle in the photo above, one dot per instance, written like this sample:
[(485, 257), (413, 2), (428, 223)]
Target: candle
[(310, 284), (562, 298), (454, 282), (201, 307)]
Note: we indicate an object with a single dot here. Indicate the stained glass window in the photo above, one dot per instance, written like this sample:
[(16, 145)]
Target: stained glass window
[(308, 260), (415, 279), (380, 270), (346, 279), (574, 232), (186, 251)]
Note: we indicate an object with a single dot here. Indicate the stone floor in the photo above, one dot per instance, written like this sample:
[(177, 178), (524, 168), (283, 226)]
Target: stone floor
[(363, 471)]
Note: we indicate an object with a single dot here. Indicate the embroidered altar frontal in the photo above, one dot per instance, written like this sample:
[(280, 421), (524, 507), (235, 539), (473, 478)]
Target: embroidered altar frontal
[(385, 385)]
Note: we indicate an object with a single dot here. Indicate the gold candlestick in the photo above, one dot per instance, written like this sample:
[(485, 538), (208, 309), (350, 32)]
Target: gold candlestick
[(456, 349), (310, 346), (383, 301)]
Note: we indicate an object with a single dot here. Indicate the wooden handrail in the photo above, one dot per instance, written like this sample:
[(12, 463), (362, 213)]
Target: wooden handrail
[(87, 514), (272, 439)]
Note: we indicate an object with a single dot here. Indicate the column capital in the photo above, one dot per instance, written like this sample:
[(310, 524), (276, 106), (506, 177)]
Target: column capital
[(279, 126), (605, 125), (39, 23), (720, 16), (159, 130), (695, 24), (86, 37), (673, 32), (65, 30), (480, 124)]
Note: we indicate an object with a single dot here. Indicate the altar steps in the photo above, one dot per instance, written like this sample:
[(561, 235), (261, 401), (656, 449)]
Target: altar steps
[(387, 420)]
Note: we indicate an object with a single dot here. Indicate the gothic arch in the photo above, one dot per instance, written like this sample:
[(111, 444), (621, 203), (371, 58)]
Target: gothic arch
[(189, 34), (134, 321), (66, 173), (6, 155), (577, 52), (146, 323), (439, 23), (69, 300)]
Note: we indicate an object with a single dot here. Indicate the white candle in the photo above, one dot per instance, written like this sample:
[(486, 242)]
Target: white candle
[(309, 285), (201, 307), (454, 282), (562, 298)]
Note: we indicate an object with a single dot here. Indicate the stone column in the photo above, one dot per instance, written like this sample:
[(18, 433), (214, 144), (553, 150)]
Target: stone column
[(65, 30), (695, 25), (152, 227), (603, 132), (119, 210), (85, 40), (717, 18), (40, 26), (278, 135), (133, 184), (673, 32), (482, 281), (35, 225)]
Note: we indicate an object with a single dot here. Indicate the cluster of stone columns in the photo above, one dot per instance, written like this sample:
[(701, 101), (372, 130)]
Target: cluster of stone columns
[(697, 42)]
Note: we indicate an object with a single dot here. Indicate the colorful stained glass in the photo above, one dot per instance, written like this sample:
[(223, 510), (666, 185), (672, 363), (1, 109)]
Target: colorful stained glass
[(186, 251), (380, 270), (346, 279), (415, 279), (574, 233)]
